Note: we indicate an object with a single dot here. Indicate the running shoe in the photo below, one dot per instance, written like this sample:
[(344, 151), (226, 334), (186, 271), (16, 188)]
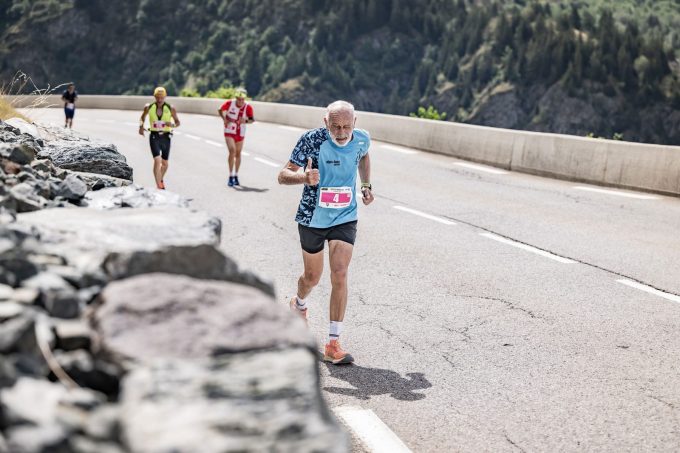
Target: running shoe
[(231, 181), (301, 313), (334, 354), (162, 184), (236, 183)]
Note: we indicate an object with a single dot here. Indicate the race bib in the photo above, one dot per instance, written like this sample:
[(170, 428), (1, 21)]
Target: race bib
[(70, 106), (335, 197), (230, 128), (159, 125)]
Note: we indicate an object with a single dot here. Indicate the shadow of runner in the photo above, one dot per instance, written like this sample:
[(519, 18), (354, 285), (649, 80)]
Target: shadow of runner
[(249, 189), (369, 382)]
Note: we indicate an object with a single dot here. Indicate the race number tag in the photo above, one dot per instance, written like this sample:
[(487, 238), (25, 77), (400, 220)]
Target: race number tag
[(230, 128), (159, 125), (335, 197), (70, 106)]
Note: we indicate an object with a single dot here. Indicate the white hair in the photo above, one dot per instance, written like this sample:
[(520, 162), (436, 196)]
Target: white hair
[(339, 107)]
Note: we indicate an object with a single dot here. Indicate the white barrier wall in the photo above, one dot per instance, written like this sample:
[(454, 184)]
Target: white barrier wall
[(653, 168)]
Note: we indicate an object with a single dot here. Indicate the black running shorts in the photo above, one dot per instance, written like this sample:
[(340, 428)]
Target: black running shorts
[(312, 239), (160, 145)]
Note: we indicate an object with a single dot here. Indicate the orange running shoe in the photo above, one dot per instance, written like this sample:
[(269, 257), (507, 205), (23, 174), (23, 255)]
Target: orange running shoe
[(335, 354), (161, 185), (301, 313)]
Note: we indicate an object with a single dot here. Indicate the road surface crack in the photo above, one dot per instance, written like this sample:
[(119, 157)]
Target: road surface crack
[(514, 444)]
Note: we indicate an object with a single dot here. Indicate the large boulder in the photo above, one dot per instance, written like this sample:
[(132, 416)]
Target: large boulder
[(215, 363), (139, 321), (89, 157)]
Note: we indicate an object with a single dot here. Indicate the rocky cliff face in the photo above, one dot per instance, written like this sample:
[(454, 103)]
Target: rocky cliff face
[(117, 339)]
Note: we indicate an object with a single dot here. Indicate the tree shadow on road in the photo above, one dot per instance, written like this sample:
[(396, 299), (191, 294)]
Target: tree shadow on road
[(369, 382), (249, 189)]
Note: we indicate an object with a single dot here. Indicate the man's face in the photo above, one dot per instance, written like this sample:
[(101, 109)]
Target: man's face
[(340, 125), (240, 100), (71, 88), (159, 97)]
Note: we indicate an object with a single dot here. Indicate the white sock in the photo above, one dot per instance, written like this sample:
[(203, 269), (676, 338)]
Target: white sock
[(300, 304), (233, 173), (334, 330)]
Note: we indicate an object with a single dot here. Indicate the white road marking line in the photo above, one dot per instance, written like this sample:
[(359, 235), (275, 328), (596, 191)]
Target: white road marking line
[(193, 137), (400, 149), (243, 153), (130, 123), (650, 290), (527, 248), (427, 216), (618, 193), (375, 434), (265, 161), (291, 128), (483, 168), (210, 142), (176, 133)]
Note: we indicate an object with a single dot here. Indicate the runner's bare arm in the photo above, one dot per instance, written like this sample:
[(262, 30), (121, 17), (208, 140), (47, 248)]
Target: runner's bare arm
[(174, 116), (141, 120), (289, 174), (365, 175)]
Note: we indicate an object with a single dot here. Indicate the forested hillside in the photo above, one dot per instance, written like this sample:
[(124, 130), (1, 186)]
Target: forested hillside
[(607, 67)]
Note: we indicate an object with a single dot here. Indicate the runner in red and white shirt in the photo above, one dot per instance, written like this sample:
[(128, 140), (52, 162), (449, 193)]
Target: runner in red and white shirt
[(235, 114)]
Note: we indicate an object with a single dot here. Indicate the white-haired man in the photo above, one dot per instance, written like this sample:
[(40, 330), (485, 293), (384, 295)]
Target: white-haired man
[(330, 157)]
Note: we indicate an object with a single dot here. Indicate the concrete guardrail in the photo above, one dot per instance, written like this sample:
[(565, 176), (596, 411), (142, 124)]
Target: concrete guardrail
[(651, 168)]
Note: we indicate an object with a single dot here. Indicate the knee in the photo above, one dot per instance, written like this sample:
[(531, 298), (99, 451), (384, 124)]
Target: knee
[(311, 278), (338, 276), (164, 164)]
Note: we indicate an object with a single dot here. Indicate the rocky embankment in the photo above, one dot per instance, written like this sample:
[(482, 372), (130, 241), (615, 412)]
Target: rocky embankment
[(124, 329)]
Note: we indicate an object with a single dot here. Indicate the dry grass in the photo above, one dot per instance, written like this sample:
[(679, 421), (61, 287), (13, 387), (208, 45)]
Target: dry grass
[(21, 84), (7, 111)]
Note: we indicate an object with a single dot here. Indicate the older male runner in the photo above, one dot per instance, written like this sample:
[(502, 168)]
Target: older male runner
[(162, 119), (328, 209)]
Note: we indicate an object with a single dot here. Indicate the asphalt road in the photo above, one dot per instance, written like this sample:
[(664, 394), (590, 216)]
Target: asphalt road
[(528, 314)]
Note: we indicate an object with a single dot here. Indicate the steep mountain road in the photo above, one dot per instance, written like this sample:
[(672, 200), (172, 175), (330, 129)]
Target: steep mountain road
[(488, 310)]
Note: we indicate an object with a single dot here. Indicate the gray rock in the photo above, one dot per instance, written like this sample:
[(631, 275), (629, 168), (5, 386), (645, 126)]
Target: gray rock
[(86, 371), (27, 197), (72, 188), (10, 310), (31, 401), (96, 181), (260, 401), (18, 334), (15, 366), (139, 321), (21, 154), (7, 213), (58, 297), (24, 127), (134, 197), (89, 157), (38, 439), (4, 448), (103, 423), (82, 444), (6, 292), (26, 296), (40, 402), (72, 334)]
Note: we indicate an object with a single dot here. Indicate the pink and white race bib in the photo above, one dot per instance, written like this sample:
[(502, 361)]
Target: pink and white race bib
[(159, 125), (335, 197)]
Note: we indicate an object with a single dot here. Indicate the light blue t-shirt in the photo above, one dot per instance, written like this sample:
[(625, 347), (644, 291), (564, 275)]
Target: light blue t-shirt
[(333, 201)]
